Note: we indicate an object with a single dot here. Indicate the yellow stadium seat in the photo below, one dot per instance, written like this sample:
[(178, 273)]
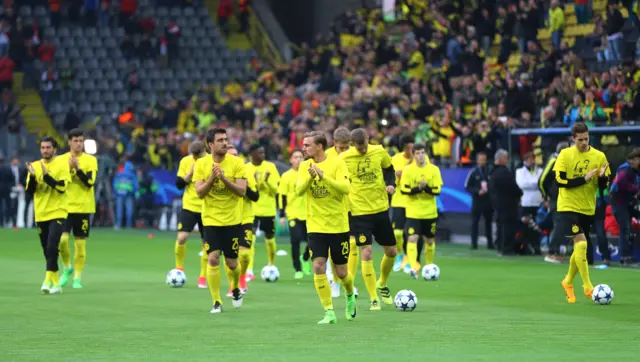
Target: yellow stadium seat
[(544, 33), (569, 9), (514, 60), (572, 20), (624, 12)]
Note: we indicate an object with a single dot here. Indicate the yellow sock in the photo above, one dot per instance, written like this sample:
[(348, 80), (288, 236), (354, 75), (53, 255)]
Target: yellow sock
[(412, 254), (48, 276), (213, 279), (55, 278), (573, 270), (181, 251), (430, 252), (203, 261), (324, 290), (385, 269), (235, 277), (347, 283), (354, 257), (580, 252), (244, 258), (369, 276), (399, 234), (253, 254), (80, 257), (271, 250), (65, 252)]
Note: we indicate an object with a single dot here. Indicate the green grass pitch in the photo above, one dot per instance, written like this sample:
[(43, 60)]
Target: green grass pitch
[(481, 309)]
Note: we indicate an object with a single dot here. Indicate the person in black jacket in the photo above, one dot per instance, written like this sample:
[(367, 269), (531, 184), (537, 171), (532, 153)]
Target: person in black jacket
[(477, 184), (549, 190), (6, 183), (505, 202)]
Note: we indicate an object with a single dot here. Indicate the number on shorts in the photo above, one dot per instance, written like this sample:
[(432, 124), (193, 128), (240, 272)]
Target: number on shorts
[(85, 225), (234, 246), (248, 236), (433, 228), (345, 248)]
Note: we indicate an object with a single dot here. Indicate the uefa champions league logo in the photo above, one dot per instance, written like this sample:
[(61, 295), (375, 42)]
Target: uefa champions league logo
[(612, 248)]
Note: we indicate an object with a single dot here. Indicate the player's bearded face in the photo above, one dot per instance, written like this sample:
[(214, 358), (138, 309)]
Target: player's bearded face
[(309, 147), (219, 145), (46, 150), (582, 141)]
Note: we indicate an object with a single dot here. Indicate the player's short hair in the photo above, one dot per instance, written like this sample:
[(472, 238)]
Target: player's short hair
[(341, 134), (319, 138), (359, 136), (294, 151), (50, 140), (196, 147), (419, 147), (634, 154), (76, 132), (405, 140), (579, 128), (561, 146), (254, 147), (211, 134)]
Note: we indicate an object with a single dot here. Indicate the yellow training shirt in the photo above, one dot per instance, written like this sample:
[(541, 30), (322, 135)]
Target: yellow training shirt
[(248, 214), (190, 199), (399, 162), (220, 206), (296, 205), (421, 205), (331, 152), (326, 208), (50, 203), (266, 204), (82, 196), (368, 194), (575, 164)]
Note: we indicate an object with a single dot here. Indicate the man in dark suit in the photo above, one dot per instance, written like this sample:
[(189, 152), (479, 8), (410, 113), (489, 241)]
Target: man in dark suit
[(6, 184), (505, 200), (19, 181), (477, 184)]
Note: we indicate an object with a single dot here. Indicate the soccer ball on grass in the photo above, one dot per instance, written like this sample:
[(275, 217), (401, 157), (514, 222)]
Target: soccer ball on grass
[(602, 294), (270, 274), (430, 272), (406, 300), (176, 278)]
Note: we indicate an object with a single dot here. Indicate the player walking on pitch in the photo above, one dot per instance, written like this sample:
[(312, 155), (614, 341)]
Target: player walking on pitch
[(48, 181), (372, 181), (221, 182), (81, 198), (422, 182), (325, 183), (190, 216), (398, 201), (580, 171)]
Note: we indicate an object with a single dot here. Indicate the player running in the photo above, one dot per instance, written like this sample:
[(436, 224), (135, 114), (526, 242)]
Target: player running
[(580, 171), (81, 198), (325, 183), (48, 181), (246, 241), (294, 208), (422, 182), (398, 202), (268, 178), (221, 181), (372, 181), (190, 216)]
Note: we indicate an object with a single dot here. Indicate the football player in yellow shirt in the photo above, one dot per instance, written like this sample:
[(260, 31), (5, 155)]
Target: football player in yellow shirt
[(221, 182), (324, 182), (580, 171), (398, 202), (421, 182), (294, 208), (81, 204), (268, 178), (48, 180), (248, 217), (372, 182), (190, 216)]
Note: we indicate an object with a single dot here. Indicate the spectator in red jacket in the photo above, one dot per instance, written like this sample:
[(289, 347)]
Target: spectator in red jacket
[(127, 10), (6, 72), (290, 105), (46, 51), (225, 11)]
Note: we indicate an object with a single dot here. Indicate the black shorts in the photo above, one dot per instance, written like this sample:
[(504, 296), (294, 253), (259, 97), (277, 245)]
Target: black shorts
[(189, 220), (322, 244), (298, 230), (366, 227), (79, 224), (424, 227), (224, 238), (266, 223), (570, 224), (398, 218), (247, 236)]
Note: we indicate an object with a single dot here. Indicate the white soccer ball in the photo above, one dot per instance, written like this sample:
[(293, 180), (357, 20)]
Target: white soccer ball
[(270, 274), (430, 272), (602, 294), (406, 300), (176, 278)]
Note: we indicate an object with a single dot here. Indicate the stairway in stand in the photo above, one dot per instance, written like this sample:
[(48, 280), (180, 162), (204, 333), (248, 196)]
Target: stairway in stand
[(35, 117), (235, 40)]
